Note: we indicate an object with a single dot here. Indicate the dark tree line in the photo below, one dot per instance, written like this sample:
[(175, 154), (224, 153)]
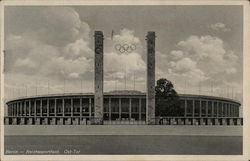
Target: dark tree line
[(167, 99)]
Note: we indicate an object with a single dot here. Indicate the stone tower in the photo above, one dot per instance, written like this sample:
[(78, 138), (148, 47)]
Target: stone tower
[(98, 77), (150, 108)]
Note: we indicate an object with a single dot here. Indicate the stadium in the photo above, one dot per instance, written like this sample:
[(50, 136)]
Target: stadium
[(120, 107)]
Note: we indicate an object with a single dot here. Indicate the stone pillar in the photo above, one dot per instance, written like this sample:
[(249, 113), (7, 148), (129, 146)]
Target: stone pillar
[(53, 121), (7, 121), (206, 108), (45, 121), (9, 110), (75, 121), (14, 110), (37, 121), (25, 109), (231, 121), (71, 107), (222, 109), (187, 121), (209, 121), (180, 121), (47, 107), (29, 121), (63, 107), (238, 121), (238, 111), (193, 107), (55, 108), (195, 122), (20, 108), (22, 122), (130, 108), (185, 108), (68, 121), (200, 108), (120, 108), (150, 108), (41, 107), (17, 108), (90, 104), (29, 107), (14, 121), (212, 113), (234, 111), (172, 121), (110, 108), (202, 121), (224, 121), (99, 76), (140, 109), (83, 121), (230, 110), (216, 121), (60, 122), (226, 110), (80, 108), (217, 109), (35, 108)]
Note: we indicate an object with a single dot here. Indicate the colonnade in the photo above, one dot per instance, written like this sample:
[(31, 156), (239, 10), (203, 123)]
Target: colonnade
[(210, 108), (78, 106), (116, 107)]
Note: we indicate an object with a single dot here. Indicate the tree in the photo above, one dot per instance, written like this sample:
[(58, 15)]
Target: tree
[(167, 99)]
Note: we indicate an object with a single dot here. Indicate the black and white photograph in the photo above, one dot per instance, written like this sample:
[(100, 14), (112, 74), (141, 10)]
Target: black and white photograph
[(123, 79)]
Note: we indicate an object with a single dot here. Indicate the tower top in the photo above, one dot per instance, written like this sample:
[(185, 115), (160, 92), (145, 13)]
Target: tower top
[(98, 33), (150, 35)]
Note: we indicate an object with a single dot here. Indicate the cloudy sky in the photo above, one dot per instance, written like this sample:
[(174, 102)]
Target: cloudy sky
[(50, 49)]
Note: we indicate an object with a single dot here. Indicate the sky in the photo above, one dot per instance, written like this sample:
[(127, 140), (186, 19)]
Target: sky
[(49, 49)]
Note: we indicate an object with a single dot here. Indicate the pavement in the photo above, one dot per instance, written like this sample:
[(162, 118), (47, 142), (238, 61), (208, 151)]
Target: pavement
[(10, 130)]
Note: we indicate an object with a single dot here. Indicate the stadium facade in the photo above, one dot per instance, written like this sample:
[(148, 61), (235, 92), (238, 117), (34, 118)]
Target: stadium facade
[(119, 107)]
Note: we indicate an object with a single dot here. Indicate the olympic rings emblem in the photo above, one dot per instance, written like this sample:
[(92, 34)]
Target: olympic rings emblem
[(125, 48)]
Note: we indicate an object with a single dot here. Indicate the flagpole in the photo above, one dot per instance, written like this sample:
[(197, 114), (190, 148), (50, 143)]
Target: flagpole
[(81, 86), (48, 86), (115, 83), (134, 81), (26, 90), (64, 86), (125, 77), (36, 87)]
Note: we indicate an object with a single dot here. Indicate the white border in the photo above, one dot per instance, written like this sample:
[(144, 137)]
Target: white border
[(246, 81)]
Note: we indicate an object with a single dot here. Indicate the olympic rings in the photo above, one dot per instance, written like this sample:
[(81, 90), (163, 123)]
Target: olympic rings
[(125, 48)]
